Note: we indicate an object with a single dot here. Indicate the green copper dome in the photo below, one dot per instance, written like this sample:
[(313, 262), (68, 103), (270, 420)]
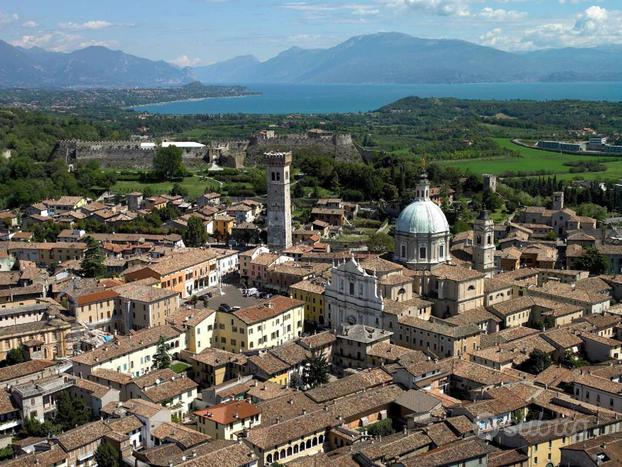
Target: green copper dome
[(422, 217)]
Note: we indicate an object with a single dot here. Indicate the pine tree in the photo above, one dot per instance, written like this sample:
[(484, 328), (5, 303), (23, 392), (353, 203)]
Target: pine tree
[(162, 359), (93, 263), (71, 412), (316, 370)]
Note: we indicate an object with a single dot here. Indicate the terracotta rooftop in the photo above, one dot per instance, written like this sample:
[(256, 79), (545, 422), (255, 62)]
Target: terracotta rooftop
[(267, 309), (229, 412)]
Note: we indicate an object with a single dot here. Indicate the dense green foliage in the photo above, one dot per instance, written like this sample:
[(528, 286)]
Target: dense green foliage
[(168, 164), (162, 358), (71, 411), (93, 263), (17, 355), (594, 262), (537, 362), (316, 370), (107, 456), (195, 234), (381, 428)]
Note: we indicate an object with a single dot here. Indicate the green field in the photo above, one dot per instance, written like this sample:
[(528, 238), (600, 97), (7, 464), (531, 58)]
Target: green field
[(195, 186), (533, 161)]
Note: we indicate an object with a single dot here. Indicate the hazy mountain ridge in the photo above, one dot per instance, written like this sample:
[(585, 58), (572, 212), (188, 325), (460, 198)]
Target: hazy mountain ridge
[(383, 58), (401, 59), (93, 66)]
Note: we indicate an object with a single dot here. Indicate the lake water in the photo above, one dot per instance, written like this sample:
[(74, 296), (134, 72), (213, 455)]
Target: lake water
[(306, 99)]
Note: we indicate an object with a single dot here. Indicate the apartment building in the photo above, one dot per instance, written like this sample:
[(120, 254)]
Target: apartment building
[(186, 272), (226, 420), (132, 354), (267, 324)]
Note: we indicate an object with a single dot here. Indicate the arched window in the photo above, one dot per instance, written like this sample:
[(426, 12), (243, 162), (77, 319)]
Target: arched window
[(308, 443), (276, 456), (302, 446), (289, 451), (315, 441), (296, 449), (471, 287), (282, 453), (321, 439), (269, 458)]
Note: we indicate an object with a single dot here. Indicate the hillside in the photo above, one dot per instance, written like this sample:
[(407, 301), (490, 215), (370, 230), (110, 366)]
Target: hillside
[(400, 58), (89, 67)]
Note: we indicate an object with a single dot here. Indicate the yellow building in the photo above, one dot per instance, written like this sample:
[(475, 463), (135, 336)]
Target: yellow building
[(223, 226), (224, 421), (311, 292), (46, 254), (198, 324), (543, 439), (268, 324), (95, 309)]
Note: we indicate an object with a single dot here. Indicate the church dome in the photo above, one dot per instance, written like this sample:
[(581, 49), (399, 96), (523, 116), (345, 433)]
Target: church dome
[(422, 216)]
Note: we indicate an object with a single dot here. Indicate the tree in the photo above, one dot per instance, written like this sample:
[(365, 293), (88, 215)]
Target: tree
[(162, 359), (380, 242), (107, 456), (316, 370), (71, 412), (195, 234), (298, 191), (93, 263), (593, 261), (168, 164), (179, 190), (17, 355), (537, 362), (33, 427), (381, 428)]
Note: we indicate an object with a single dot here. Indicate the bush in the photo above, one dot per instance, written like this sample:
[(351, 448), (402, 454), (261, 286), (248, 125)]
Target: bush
[(381, 428)]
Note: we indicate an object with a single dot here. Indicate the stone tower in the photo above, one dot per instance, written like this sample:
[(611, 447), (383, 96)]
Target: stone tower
[(484, 244), (558, 201), (279, 219), (490, 183)]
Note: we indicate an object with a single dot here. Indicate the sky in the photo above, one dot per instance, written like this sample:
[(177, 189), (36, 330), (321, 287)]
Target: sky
[(200, 32)]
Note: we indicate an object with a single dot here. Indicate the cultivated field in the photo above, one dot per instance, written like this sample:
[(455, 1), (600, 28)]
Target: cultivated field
[(522, 161)]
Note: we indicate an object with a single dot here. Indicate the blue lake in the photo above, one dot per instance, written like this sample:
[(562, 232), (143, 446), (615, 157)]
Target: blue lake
[(306, 99)]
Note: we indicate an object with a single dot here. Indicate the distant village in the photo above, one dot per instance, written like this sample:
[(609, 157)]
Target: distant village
[(267, 345)]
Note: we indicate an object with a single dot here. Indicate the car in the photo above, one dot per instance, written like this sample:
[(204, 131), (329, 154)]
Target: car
[(250, 292), (224, 307), (265, 295), (235, 308)]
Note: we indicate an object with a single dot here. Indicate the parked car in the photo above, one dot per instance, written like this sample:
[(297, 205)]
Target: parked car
[(224, 307), (250, 292)]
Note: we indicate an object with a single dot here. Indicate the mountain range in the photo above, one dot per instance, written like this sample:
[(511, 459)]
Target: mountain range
[(93, 66), (402, 59), (370, 59)]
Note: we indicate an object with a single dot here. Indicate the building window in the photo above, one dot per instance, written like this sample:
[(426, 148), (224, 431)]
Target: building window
[(403, 251), (422, 253), (441, 251)]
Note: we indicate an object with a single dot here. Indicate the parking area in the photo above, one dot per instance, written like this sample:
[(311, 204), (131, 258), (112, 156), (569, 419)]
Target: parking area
[(232, 296)]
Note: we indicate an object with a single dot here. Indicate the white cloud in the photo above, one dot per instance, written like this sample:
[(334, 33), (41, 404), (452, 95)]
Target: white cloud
[(184, 61), (6, 18), (326, 10), (59, 41), (435, 7), (594, 26), (30, 24), (500, 14), (87, 25)]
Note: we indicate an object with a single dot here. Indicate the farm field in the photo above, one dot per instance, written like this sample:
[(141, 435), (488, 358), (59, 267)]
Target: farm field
[(534, 161), (194, 185)]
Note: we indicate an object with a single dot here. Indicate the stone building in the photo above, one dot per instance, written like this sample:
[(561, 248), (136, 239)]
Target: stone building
[(422, 232), (484, 244), (279, 208)]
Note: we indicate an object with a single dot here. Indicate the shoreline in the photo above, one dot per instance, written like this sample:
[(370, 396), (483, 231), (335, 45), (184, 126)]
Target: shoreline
[(192, 99)]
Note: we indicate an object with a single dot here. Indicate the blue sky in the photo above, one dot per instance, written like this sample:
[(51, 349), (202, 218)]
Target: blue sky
[(195, 32)]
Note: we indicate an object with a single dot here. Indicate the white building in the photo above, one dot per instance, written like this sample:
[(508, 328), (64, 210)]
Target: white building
[(422, 233)]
